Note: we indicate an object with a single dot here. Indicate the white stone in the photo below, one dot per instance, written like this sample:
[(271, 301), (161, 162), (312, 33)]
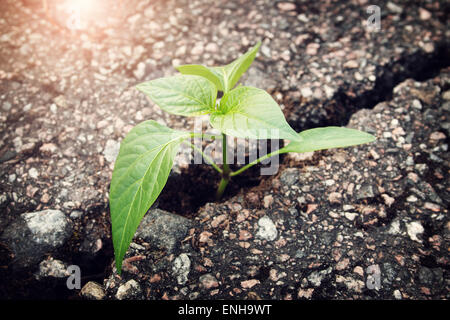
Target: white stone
[(111, 150), (350, 215), (33, 173), (267, 229), (414, 229), (181, 267), (128, 289)]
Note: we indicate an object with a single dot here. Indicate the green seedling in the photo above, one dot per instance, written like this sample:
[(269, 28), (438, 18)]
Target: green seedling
[(147, 153)]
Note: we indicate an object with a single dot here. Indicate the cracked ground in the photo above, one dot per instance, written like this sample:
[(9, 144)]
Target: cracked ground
[(368, 222)]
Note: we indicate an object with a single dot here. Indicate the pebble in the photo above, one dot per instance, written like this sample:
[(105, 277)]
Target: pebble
[(111, 150), (33, 173), (397, 294), (266, 229), (414, 229), (424, 14), (131, 289), (208, 281), (139, 72), (181, 268), (93, 291), (350, 215), (286, 6), (51, 268), (249, 283)]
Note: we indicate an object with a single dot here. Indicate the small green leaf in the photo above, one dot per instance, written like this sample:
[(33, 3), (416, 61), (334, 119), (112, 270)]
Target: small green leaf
[(209, 73), (224, 77), (248, 112), (327, 138), (186, 95), (140, 173)]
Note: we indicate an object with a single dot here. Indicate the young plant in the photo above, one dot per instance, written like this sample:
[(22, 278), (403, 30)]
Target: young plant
[(146, 154)]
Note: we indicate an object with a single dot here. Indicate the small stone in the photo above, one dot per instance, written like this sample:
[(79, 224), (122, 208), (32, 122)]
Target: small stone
[(129, 290), (366, 191), (208, 281), (267, 229), (373, 275), (218, 220), (437, 136), (424, 14), (6, 106), (397, 294), (52, 268), (428, 47), (198, 49), (268, 200), (75, 214), (244, 235), (416, 104), (181, 268), (414, 229), (335, 197), (139, 72), (301, 156), (389, 201), (359, 270), (394, 7), (249, 283), (350, 215), (48, 148), (92, 291), (306, 92), (204, 237), (289, 176), (351, 64), (60, 101), (212, 47), (164, 230), (446, 95), (111, 150), (343, 264), (395, 227), (316, 277), (432, 206), (305, 293), (286, 6), (312, 49), (33, 173)]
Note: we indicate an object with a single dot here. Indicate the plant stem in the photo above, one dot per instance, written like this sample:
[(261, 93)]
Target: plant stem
[(225, 169), (251, 164), (222, 185)]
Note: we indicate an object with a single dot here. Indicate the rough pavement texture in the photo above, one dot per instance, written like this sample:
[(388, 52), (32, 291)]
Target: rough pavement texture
[(321, 228)]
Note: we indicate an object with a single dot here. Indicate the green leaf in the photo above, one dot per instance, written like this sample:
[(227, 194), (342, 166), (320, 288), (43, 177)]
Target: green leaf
[(186, 95), (224, 77), (209, 73), (248, 112), (327, 138), (140, 173)]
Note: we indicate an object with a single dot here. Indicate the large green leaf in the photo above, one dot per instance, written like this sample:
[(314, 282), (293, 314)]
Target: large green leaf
[(248, 112), (224, 77), (327, 138), (186, 95), (140, 173)]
